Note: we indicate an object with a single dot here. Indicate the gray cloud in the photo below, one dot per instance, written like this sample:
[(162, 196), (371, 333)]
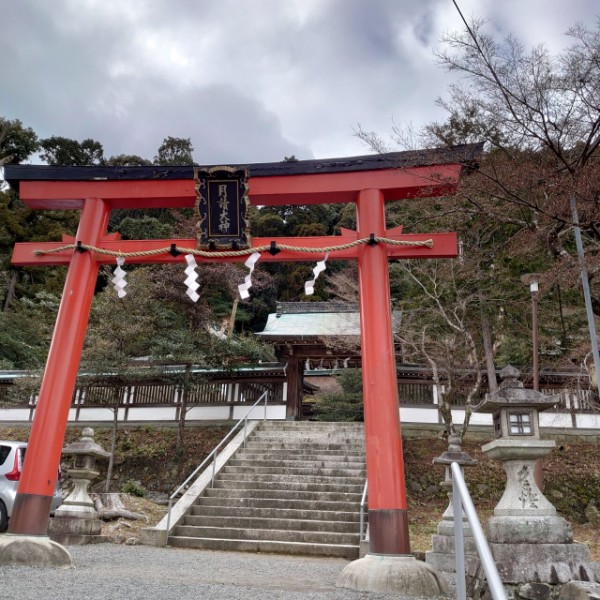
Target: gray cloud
[(247, 81)]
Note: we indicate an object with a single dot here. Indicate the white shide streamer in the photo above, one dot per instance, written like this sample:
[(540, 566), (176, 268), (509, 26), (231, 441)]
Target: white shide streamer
[(244, 287), (192, 276), (118, 280), (309, 286)]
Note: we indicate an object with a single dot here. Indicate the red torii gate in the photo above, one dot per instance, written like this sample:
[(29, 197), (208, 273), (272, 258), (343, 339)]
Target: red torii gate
[(368, 181)]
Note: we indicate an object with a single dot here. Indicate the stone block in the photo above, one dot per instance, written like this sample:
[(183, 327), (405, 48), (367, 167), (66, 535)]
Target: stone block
[(543, 563), (446, 562), (445, 544), (67, 525), (580, 590), (535, 591), (526, 530)]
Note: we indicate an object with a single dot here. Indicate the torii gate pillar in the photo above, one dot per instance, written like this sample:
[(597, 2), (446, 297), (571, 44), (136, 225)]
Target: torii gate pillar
[(388, 519)]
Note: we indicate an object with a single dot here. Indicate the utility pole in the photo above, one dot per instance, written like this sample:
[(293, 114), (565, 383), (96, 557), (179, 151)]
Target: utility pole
[(586, 290)]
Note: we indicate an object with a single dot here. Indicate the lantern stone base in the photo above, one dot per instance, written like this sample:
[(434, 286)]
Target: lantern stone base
[(33, 551), (442, 556), (544, 530), (523, 567), (76, 531), (392, 574)]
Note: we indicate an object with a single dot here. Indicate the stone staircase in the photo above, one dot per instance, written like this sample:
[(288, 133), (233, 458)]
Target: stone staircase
[(295, 489)]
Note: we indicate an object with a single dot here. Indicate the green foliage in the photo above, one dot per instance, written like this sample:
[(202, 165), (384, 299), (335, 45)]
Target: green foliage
[(59, 150), (133, 488), (127, 160), (17, 143), (23, 389), (144, 228), (346, 405), (175, 151), (25, 331)]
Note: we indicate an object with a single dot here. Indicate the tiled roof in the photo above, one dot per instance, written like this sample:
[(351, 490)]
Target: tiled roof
[(315, 319)]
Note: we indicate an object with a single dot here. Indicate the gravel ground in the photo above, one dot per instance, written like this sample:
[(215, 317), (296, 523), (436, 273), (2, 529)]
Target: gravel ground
[(115, 572)]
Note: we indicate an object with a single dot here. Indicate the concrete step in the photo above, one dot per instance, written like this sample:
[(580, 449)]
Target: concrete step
[(334, 502), (252, 522), (282, 454), (284, 494), (323, 461), (281, 477), (309, 433), (306, 537), (308, 470), (292, 486), (238, 508), (312, 424), (332, 434), (297, 438), (279, 547), (298, 448)]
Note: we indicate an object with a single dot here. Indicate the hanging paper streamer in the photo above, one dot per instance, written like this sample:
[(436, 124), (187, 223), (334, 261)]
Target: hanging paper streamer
[(309, 286), (192, 276), (118, 280), (244, 287)]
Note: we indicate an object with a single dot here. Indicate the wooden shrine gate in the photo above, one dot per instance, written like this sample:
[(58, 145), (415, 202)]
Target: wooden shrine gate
[(368, 181)]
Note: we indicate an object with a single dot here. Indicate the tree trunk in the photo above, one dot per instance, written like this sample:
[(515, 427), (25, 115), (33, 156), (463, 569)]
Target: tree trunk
[(110, 507), (489, 355), (562, 315), (183, 408), (113, 446), (10, 292), (232, 317)]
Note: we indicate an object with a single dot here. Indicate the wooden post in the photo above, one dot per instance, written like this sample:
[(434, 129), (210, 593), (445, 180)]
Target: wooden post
[(293, 411)]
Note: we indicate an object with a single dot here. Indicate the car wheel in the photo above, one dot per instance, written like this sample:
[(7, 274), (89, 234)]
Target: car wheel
[(3, 517)]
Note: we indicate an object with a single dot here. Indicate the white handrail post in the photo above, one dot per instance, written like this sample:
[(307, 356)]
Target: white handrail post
[(266, 397), (459, 542), (168, 522), (459, 487), (245, 424), (214, 464), (362, 510)]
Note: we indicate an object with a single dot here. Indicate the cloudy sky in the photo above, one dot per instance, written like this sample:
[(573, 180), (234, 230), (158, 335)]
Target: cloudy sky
[(246, 80)]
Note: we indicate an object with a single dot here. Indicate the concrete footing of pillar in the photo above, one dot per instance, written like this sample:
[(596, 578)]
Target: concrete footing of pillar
[(33, 551), (391, 573)]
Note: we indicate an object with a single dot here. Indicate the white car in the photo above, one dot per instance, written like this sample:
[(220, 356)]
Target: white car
[(12, 455)]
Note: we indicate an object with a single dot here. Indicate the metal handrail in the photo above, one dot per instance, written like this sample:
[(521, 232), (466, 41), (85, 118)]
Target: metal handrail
[(213, 455), (461, 500), (363, 503)]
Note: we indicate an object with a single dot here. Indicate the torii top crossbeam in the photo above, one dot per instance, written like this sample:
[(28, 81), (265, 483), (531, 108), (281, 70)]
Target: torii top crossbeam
[(368, 181)]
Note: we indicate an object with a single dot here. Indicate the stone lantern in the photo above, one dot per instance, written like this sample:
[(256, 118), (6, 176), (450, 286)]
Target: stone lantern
[(76, 520), (531, 544), (441, 556)]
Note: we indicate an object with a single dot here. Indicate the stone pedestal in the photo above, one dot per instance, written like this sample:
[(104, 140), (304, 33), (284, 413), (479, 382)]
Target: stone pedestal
[(386, 573), (32, 551)]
